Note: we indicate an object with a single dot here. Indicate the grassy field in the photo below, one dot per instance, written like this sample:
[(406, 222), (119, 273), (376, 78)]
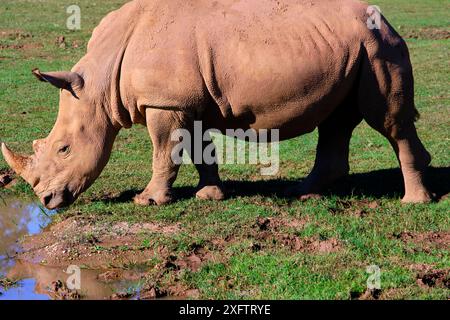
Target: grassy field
[(256, 244)]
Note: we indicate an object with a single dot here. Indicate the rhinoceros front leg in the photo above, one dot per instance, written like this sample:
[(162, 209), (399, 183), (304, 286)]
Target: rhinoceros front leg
[(161, 124)]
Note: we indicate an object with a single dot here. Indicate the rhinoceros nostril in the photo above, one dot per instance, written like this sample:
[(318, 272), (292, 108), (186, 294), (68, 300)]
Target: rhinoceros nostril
[(46, 200), (68, 196)]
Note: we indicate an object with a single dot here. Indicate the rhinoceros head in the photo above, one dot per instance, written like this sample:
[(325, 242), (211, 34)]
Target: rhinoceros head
[(73, 155)]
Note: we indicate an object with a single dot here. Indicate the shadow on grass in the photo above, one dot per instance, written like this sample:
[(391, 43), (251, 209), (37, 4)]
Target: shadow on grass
[(386, 183)]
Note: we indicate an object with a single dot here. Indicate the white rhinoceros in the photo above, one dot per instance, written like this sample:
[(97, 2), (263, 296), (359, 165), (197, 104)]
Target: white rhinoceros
[(291, 65)]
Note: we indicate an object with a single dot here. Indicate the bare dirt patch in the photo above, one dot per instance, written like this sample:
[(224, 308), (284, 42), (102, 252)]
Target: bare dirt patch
[(274, 232), (116, 251), (20, 41), (310, 245), (426, 241), (183, 292), (5, 179), (172, 292), (193, 259), (24, 46), (79, 241), (277, 223), (14, 34), (369, 294), (126, 228), (434, 278), (173, 266), (426, 33), (59, 291), (358, 208)]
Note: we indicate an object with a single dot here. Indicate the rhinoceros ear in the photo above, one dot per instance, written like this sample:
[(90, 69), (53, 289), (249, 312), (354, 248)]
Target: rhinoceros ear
[(67, 80)]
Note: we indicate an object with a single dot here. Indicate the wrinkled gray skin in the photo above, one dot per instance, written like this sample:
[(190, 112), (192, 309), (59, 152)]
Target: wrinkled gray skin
[(290, 65)]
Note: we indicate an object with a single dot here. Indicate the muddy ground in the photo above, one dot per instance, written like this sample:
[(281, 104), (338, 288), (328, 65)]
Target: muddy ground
[(116, 252)]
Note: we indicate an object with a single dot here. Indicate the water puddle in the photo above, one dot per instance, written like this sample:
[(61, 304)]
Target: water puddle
[(22, 280)]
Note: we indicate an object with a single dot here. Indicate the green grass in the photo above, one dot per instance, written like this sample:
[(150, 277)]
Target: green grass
[(28, 110)]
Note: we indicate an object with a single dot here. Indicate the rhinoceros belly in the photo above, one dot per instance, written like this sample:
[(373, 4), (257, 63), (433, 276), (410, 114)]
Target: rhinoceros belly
[(285, 70)]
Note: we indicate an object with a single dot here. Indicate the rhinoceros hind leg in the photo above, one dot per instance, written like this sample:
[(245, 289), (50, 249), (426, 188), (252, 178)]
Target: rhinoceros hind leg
[(210, 186), (332, 151), (210, 193), (391, 112), (414, 160)]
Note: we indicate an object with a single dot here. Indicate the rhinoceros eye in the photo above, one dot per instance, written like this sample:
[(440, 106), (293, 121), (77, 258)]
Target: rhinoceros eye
[(64, 150)]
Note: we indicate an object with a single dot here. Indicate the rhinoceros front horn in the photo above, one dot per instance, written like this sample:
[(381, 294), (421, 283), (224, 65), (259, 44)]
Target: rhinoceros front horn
[(17, 162)]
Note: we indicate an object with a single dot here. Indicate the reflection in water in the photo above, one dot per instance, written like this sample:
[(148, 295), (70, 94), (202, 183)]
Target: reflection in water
[(25, 291), (44, 276), (19, 218)]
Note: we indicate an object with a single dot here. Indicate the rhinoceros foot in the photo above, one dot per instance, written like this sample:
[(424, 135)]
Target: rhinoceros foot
[(420, 196), (210, 193), (159, 197), (308, 196)]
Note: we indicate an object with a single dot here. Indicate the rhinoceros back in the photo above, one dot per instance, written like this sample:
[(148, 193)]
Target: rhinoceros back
[(254, 63)]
